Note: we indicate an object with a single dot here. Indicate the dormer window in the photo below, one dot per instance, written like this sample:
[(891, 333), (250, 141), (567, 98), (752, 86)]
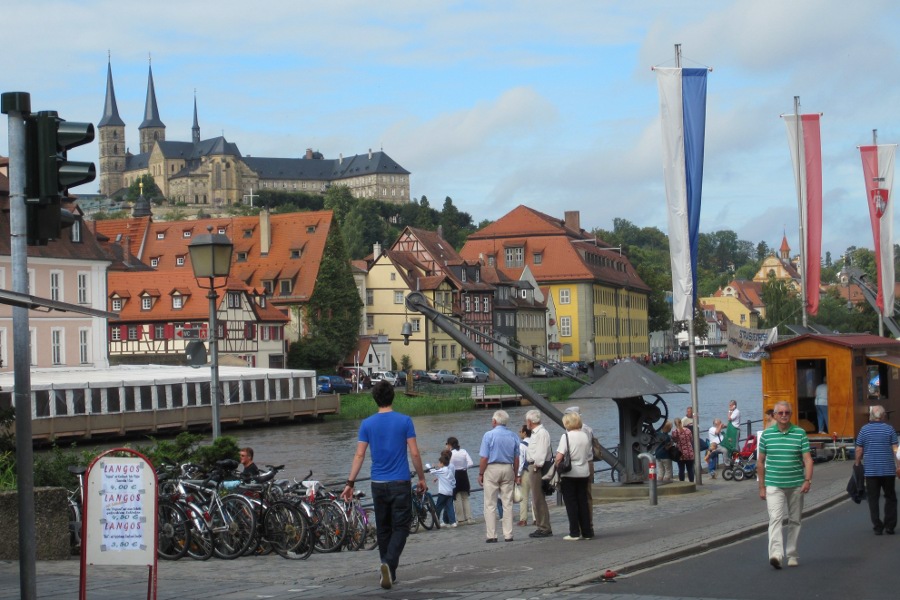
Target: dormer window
[(75, 231), (179, 261), (154, 262), (538, 258), (268, 286), (285, 287), (248, 233), (310, 229), (177, 302), (241, 257), (221, 231), (478, 275), (261, 300), (463, 275), (146, 303), (117, 304), (161, 235), (186, 233), (295, 254)]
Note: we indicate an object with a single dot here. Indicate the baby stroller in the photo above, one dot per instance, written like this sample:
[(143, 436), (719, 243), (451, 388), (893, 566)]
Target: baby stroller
[(743, 462)]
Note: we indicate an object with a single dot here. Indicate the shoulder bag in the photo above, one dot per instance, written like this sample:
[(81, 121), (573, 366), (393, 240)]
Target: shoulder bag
[(566, 464)]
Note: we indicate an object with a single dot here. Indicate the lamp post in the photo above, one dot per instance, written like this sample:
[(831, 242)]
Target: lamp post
[(211, 258)]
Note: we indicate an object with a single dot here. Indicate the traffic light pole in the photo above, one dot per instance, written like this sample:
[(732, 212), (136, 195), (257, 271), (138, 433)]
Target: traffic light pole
[(18, 106)]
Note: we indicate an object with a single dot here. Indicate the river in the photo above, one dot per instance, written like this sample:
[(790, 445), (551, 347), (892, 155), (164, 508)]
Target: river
[(327, 448)]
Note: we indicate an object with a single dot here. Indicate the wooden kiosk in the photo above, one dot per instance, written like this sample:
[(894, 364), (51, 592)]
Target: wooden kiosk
[(862, 370)]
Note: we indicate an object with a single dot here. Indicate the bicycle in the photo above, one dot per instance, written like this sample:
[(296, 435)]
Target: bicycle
[(424, 512), (361, 532), (75, 503)]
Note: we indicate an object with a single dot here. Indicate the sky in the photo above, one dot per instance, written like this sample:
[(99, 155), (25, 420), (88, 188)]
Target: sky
[(495, 104)]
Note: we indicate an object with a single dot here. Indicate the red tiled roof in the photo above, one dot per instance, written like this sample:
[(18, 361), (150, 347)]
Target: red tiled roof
[(131, 232), (87, 249), (289, 231), (162, 286), (566, 255)]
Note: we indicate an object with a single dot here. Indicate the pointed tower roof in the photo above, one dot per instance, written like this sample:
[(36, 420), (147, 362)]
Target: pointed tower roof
[(151, 111), (110, 109), (195, 130)]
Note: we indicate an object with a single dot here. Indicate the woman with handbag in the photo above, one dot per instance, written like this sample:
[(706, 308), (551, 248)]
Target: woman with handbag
[(572, 458), (684, 442), (663, 456)]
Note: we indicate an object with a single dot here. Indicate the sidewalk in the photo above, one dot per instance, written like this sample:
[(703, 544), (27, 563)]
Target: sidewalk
[(629, 536)]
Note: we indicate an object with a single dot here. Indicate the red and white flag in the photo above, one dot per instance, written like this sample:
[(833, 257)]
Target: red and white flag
[(878, 169), (806, 152)]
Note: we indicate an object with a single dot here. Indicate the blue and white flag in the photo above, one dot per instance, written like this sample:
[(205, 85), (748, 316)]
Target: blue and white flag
[(682, 104)]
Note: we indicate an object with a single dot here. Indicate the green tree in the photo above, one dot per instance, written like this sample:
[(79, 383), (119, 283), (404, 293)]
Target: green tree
[(783, 304), (333, 312), (339, 199), (151, 190), (363, 226)]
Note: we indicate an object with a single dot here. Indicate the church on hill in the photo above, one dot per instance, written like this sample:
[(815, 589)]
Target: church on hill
[(214, 172)]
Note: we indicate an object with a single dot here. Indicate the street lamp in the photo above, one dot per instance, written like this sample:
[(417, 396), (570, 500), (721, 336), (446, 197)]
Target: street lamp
[(211, 258)]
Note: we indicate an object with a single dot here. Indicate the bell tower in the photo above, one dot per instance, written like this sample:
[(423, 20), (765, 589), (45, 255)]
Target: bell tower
[(152, 129), (111, 130)]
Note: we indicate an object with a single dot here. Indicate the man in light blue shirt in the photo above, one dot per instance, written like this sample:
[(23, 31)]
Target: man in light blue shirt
[(497, 474)]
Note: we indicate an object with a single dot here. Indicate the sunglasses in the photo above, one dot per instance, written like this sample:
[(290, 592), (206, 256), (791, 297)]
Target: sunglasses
[(782, 413)]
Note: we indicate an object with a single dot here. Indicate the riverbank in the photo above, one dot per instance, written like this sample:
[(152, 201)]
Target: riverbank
[(680, 372)]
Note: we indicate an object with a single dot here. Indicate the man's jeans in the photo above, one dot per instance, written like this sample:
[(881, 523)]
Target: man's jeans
[(393, 513)]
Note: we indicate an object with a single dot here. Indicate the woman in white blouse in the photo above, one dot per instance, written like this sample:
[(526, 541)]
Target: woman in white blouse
[(574, 484)]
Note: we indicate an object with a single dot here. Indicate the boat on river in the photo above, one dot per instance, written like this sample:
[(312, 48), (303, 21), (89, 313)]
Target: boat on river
[(126, 400)]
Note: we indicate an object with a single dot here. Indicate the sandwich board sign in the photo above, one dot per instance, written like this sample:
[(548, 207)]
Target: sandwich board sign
[(119, 522)]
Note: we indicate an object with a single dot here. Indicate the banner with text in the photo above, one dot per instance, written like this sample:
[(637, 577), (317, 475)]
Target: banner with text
[(749, 344)]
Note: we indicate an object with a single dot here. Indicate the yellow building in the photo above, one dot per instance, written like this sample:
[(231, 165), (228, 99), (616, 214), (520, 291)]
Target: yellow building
[(600, 301), (391, 276)]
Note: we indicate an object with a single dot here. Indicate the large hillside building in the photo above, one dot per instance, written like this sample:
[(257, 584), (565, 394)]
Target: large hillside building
[(214, 172)]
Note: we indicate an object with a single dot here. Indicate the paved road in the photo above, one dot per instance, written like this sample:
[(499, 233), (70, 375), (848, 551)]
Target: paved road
[(840, 557)]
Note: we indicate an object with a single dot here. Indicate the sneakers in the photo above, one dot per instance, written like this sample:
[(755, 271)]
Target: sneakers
[(571, 538), (451, 524), (793, 562), (775, 561), (385, 573)]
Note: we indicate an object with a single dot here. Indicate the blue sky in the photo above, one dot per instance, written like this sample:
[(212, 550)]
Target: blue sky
[(495, 104)]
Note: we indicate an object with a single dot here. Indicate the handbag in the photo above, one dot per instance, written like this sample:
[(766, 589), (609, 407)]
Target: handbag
[(565, 464), (596, 448), (675, 453), (517, 493)]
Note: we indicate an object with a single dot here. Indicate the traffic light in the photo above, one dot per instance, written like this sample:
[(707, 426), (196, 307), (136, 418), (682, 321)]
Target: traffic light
[(49, 175)]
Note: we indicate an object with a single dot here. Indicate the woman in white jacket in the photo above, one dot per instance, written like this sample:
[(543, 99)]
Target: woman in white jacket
[(460, 461)]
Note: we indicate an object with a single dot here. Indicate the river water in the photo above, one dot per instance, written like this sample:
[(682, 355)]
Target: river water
[(327, 448)]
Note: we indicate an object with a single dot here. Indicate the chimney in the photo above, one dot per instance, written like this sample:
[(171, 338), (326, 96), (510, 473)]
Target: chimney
[(265, 232), (376, 250), (573, 219), (440, 231), (126, 251), (370, 154), (309, 153), (341, 158)]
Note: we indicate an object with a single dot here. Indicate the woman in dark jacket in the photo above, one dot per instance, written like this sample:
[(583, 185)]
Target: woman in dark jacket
[(460, 461)]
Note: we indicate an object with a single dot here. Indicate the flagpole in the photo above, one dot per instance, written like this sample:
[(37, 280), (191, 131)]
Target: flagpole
[(692, 356), (800, 202), (881, 312)]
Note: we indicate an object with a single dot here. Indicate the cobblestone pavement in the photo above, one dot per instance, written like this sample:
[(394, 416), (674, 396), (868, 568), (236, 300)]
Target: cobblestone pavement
[(456, 563)]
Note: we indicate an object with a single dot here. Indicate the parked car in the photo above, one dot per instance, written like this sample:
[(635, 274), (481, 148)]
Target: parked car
[(332, 384), (540, 371), (419, 375), (473, 374), (563, 368), (442, 376), (384, 376), (401, 378)]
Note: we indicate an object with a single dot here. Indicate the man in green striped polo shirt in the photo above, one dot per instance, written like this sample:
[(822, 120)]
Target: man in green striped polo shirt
[(785, 474)]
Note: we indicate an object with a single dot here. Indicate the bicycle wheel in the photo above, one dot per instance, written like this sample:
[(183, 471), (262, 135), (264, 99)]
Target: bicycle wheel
[(234, 525), (74, 512), (356, 529), (174, 531), (371, 541), (287, 531), (202, 542), (330, 527), (428, 515), (414, 521)]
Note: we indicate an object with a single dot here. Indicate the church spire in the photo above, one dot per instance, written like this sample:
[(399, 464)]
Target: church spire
[(195, 130), (110, 109), (152, 129)]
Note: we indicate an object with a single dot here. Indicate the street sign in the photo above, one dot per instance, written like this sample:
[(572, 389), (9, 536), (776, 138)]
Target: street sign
[(184, 333)]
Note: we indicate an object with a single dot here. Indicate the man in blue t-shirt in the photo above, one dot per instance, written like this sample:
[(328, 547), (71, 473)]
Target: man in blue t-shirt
[(878, 441), (389, 434)]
